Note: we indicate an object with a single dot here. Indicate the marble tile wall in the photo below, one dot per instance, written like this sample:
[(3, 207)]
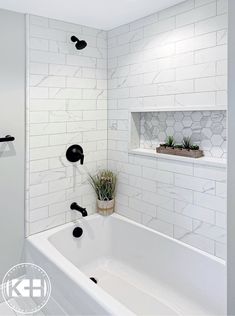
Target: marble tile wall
[(67, 104), (174, 58), (207, 129)]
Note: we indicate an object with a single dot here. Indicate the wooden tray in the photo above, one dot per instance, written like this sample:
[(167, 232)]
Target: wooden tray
[(180, 152)]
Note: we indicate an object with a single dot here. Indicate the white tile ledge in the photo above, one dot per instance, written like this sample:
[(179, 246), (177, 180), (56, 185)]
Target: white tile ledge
[(217, 162), (178, 108)]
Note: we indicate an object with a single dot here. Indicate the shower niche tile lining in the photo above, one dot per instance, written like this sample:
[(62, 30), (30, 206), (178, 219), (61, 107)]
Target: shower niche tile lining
[(206, 127)]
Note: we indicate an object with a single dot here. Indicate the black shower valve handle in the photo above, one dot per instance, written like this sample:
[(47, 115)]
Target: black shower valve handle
[(75, 153), (82, 159)]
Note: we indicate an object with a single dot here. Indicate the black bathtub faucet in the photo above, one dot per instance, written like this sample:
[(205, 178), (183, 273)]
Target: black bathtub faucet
[(76, 207)]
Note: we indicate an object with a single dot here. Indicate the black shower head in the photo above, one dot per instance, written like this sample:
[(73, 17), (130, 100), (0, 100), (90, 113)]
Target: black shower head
[(79, 44)]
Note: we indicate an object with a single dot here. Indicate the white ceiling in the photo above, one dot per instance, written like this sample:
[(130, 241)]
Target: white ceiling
[(102, 14)]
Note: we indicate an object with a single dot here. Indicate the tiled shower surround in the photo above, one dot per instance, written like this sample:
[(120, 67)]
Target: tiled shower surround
[(67, 104), (174, 58), (205, 128)]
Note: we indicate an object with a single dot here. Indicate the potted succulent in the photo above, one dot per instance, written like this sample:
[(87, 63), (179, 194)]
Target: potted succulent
[(187, 144), (186, 149), (167, 146), (170, 142), (104, 185), (189, 149)]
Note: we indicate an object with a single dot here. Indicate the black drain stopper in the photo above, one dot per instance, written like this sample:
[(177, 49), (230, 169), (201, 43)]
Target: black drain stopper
[(77, 232)]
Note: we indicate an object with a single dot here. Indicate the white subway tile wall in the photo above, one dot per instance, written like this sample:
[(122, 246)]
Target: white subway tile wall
[(67, 104), (176, 57)]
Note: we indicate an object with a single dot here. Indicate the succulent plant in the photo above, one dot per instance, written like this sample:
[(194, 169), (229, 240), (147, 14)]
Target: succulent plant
[(170, 141), (178, 146), (187, 143), (194, 147)]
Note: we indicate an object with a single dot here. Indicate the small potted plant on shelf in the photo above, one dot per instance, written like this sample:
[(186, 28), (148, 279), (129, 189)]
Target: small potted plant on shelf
[(187, 144), (186, 149), (167, 146), (170, 142), (104, 185)]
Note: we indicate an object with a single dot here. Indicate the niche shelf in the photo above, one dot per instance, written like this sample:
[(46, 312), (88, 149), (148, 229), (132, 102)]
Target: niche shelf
[(205, 125)]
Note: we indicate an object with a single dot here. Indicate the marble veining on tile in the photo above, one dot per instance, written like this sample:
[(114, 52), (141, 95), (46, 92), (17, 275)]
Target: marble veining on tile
[(205, 128), (177, 59), (67, 104)]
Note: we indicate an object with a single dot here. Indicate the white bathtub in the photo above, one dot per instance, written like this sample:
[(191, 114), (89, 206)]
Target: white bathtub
[(139, 271)]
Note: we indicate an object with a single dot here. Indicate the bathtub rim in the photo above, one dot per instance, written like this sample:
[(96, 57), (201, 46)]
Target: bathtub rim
[(46, 234), (41, 241)]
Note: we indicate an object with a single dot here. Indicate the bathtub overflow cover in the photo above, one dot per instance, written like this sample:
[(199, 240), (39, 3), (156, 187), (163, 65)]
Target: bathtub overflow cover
[(94, 280)]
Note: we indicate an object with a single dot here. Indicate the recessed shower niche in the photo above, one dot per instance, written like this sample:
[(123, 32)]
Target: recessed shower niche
[(206, 128)]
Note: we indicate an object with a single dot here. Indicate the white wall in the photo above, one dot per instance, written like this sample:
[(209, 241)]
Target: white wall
[(12, 155), (67, 104), (231, 166), (175, 58)]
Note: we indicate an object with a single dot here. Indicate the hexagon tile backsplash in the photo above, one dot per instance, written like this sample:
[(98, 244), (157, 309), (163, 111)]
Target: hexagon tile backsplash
[(206, 128)]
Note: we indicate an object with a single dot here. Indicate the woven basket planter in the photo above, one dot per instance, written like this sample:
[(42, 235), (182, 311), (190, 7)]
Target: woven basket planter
[(105, 207)]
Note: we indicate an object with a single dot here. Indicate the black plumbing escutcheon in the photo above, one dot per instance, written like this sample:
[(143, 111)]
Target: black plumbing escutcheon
[(77, 232), (75, 153)]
